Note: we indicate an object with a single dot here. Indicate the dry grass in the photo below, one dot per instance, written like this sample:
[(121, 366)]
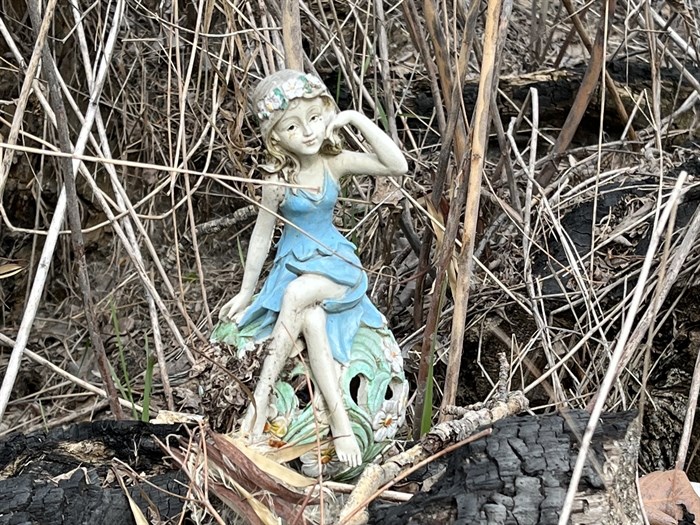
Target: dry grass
[(173, 147)]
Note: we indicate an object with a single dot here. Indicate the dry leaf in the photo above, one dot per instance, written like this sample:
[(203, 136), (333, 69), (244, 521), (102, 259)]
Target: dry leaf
[(292, 452), (452, 273), (271, 467), (10, 269), (139, 517), (664, 492)]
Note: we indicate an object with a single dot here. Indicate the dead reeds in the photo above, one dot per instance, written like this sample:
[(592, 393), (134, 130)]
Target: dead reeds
[(539, 236)]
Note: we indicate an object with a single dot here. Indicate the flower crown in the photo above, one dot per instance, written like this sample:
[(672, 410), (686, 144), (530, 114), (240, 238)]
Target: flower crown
[(279, 97)]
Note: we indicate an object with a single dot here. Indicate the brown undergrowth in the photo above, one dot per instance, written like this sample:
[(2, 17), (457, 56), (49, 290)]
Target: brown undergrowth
[(560, 239)]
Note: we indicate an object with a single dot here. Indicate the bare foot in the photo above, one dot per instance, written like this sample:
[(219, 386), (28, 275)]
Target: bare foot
[(248, 420), (252, 425), (347, 450)]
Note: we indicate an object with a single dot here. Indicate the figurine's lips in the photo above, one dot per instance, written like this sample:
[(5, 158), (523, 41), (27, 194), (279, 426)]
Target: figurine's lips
[(309, 142)]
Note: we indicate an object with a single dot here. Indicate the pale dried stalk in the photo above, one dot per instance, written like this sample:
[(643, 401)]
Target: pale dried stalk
[(37, 288), (692, 403), (21, 103), (291, 35), (613, 369), (538, 309), (496, 23), (674, 269), (181, 148), (35, 83)]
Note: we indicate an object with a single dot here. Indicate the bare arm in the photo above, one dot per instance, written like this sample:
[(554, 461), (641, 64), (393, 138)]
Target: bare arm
[(258, 249), (387, 158)]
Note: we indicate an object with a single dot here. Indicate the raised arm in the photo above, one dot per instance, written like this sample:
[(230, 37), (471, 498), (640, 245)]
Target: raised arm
[(258, 249), (387, 158)]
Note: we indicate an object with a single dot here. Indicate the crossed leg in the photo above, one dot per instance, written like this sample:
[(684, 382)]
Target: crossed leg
[(306, 291), (325, 372)]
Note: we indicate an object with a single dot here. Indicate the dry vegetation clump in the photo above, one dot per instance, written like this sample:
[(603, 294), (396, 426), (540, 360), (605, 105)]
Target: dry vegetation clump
[(572, 195)]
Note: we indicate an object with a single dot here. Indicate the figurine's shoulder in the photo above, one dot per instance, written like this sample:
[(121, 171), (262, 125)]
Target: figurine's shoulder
[(272, 192), (339, 165)]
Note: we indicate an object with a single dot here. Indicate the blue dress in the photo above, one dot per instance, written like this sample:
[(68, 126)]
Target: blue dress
[(310, 244)]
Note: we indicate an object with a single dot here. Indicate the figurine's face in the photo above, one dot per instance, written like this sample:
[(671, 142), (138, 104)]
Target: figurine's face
[(302, 129)]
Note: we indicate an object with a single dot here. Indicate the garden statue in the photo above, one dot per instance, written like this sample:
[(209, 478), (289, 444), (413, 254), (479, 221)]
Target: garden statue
[(316, 288)]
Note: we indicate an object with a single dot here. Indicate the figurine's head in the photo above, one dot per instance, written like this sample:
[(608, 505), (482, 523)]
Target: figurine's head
[(273, 96)]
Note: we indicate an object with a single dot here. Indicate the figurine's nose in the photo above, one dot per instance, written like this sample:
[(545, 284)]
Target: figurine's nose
[(307, 129)]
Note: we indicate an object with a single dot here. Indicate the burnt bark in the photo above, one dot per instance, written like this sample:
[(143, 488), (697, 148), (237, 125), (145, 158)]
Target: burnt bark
[(79, 501), (520, 473), (66, 475), (557, 89)]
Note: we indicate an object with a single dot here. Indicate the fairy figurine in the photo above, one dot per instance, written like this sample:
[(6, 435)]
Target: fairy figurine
[(316, 288)]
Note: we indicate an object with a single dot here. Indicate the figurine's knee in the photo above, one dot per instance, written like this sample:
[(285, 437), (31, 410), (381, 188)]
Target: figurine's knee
[(295, 296), (314, 321)]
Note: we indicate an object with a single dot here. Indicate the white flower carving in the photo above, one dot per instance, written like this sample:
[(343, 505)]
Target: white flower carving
[(386, 421), (392, 352), (293, 88), (329, 465)]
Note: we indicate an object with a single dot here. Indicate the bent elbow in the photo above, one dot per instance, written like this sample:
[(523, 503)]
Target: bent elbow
[(401, 167)]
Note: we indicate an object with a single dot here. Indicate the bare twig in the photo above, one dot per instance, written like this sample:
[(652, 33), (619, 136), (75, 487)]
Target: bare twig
[(583, 96)]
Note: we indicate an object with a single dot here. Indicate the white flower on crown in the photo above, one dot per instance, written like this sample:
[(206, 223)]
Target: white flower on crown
[(294, 88), (314, 81), (263, 113), (275, 100)]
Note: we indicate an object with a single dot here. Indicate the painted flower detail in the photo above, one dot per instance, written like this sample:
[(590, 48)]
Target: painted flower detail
[(392, 352), (278, 98), (277, 426), (329, 466), (275, 100), (386, 421), (294, 88), (312, 82), (263, 113)]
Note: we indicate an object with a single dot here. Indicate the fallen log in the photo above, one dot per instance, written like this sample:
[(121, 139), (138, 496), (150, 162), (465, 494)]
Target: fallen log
[(69, 475), (557, 89), (519, 474)]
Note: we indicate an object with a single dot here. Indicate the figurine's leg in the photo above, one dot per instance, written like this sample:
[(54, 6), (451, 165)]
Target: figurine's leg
[(305, 291), (325, 372)]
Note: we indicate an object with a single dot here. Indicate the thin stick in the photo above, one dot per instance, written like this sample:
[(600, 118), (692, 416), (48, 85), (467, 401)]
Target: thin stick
[(21, 104), (692, 405), (674, 269), (583, 97), (497, 18), (612, 373), (70, 377)]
